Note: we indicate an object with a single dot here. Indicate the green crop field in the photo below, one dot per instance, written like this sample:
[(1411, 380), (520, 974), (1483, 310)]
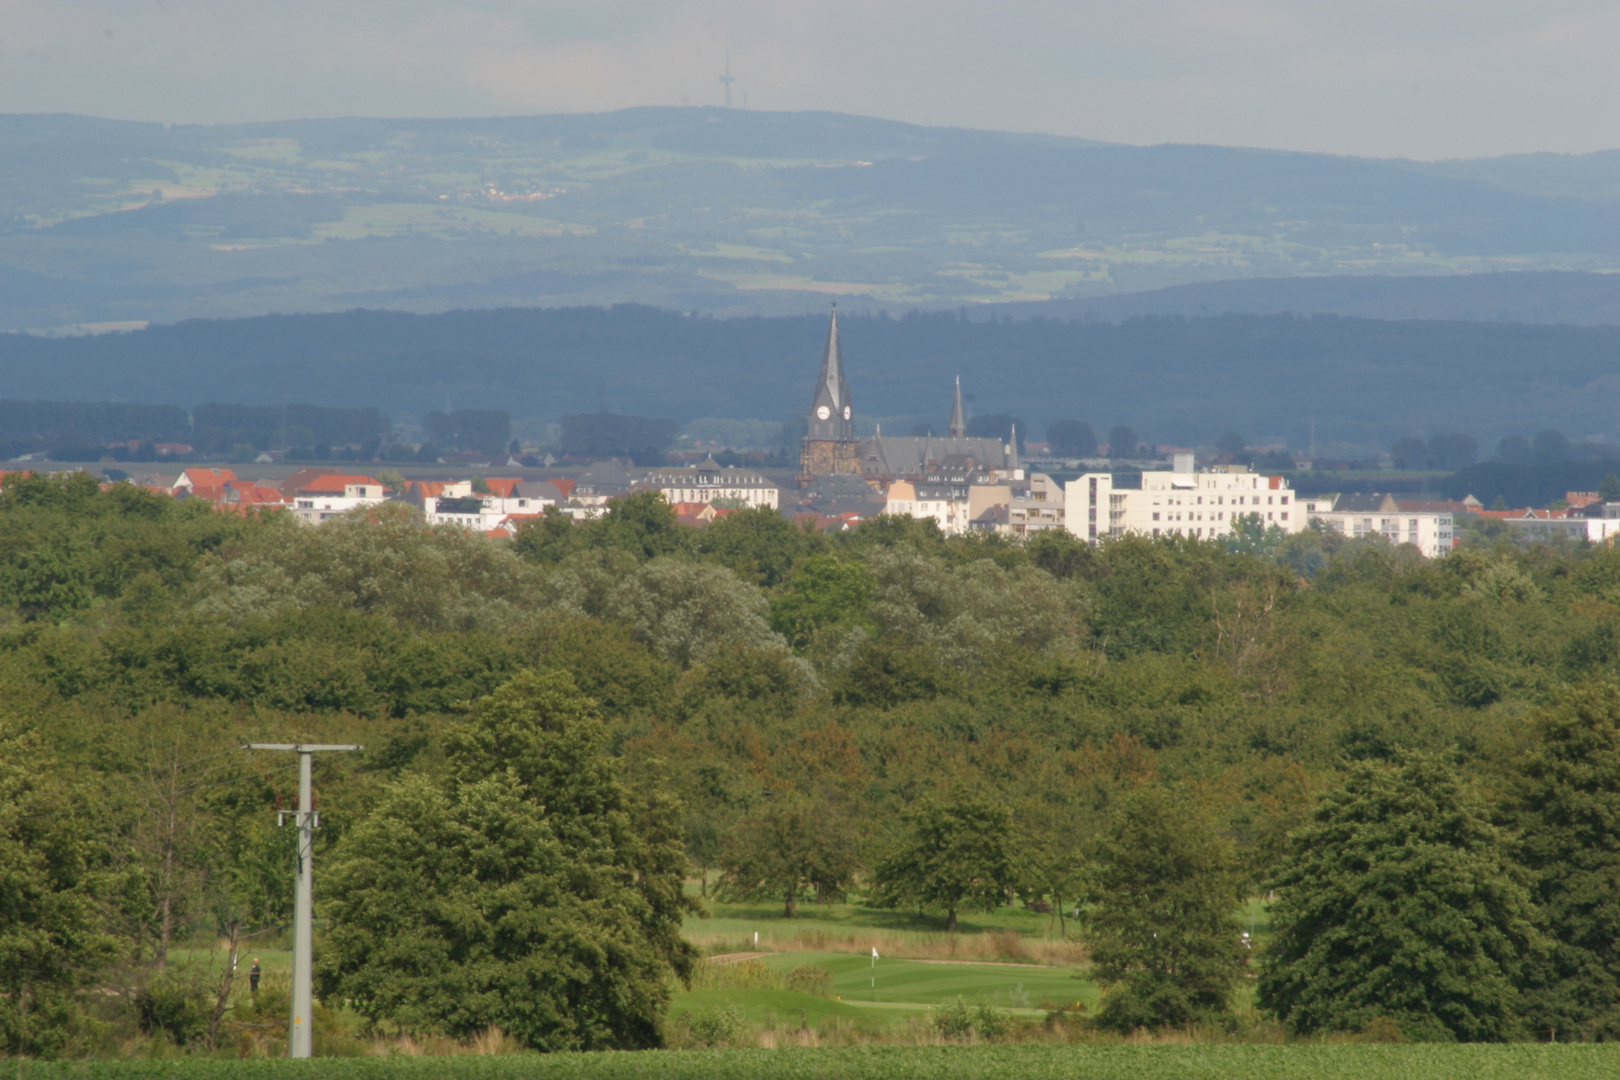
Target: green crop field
[(1347, 1061)]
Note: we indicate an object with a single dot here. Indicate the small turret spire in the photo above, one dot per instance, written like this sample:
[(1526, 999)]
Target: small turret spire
[(958, 417)]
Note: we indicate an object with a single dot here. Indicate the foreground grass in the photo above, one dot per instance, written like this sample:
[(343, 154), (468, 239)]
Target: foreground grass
[(1120, 1062)]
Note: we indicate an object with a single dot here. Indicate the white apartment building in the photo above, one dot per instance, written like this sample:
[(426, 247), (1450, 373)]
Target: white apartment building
[(1597, 525), (455, 503), (1179, 502), (332, 495), (1431, 532), (709, 482)]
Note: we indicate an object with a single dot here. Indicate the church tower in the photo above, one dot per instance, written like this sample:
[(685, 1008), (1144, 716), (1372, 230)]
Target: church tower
[(831, 447), (958, 417)]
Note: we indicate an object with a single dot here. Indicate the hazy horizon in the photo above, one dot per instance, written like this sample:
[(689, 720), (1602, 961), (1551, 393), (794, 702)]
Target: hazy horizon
[(1379, 79)]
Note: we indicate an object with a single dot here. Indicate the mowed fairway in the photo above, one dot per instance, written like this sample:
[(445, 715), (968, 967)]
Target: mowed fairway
[(896, 989)]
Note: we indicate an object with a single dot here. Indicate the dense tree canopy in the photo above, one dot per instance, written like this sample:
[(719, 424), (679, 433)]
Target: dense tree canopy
[(1565, 809), (1399, 902), (870, 675), (531, 891)]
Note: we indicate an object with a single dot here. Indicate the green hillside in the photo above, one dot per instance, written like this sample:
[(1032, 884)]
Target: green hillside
[(726, 211)]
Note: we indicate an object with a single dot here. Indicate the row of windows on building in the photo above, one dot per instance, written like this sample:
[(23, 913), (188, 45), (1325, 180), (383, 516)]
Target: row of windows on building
[(1220, 500)]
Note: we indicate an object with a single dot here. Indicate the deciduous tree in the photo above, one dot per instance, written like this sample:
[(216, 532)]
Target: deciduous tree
[(51, 940), (786, 846), (957, 856), (530, 891), (1399, 901), (1565, 809), (1164, 933)]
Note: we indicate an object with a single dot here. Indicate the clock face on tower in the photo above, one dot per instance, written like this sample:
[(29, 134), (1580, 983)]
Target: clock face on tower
[(823, 412), (846, 412)]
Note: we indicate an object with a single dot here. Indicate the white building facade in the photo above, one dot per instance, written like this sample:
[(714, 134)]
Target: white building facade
[(458, 504), (1182, 501), (1433, 533), (333, 496), (709, 483), (943, 502)]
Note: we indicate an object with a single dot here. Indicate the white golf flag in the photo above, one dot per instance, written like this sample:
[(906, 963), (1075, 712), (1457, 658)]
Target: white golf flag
[(874, 952)]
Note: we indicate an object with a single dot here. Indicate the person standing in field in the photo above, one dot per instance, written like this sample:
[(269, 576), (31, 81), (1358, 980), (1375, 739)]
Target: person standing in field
[(253, 976)]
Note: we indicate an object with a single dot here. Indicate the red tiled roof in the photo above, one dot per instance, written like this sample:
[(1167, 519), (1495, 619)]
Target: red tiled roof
[(502, 486), (334, 483), (296, 481), (260, 496), (211, 478), (564, 484)]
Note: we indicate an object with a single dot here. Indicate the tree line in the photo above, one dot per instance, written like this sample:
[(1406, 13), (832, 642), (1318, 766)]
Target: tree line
[(1370, 382), (565, 728)]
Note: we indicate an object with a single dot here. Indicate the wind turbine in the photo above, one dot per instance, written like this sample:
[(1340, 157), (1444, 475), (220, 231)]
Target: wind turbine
[(726, 80)]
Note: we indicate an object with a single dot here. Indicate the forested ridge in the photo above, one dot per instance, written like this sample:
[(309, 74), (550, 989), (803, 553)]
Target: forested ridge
[(753, 687), (1174, 379)]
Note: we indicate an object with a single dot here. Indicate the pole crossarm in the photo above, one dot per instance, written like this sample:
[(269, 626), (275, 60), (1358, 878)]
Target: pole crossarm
[(300, 1037)]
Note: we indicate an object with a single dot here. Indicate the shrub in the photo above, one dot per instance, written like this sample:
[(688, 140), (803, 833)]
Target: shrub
[(959, 1020), (175, 1006), (714, 1027)]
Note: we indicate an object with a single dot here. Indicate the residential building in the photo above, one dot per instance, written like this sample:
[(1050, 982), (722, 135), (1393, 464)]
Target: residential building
[(333, 494), (1182, 501), (454, 502), (1431, 531), (203, 483), (844, 496), (1596, 522), (1034, 508), (601, 481), (709, 483), (945, 502)]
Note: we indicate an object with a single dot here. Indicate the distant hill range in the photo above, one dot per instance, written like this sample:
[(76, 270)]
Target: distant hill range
[(1175, 379), (1579, 299), (735, 212)]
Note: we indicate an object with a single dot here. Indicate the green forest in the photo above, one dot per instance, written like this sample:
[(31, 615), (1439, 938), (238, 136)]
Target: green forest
[(584, 740), (1174, 380)]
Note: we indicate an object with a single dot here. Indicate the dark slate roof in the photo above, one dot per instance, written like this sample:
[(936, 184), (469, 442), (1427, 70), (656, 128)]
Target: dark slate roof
[(1366, 504)]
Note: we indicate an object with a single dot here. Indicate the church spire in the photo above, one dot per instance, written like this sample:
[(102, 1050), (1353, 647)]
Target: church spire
[(831, 413), (958, 417)]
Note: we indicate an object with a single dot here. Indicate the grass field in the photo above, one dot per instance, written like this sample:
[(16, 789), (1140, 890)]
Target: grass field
[(874, 996), (1119, 1062)]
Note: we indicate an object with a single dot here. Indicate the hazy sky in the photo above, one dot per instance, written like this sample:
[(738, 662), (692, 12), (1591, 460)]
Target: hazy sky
[(1443, 78)]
